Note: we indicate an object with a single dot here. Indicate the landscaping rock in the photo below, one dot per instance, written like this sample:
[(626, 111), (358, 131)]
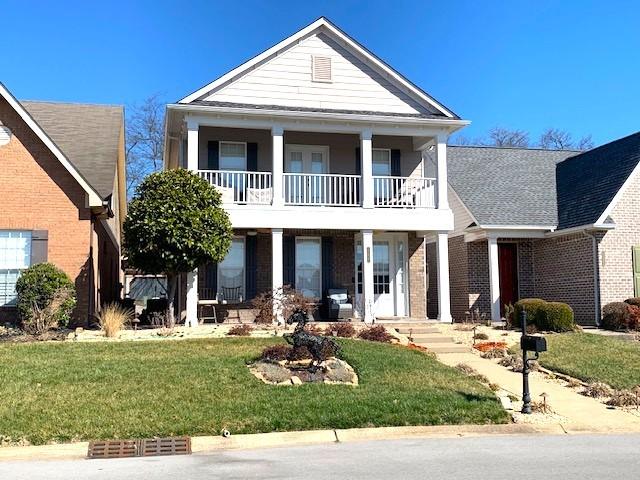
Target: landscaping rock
[(332, 371)]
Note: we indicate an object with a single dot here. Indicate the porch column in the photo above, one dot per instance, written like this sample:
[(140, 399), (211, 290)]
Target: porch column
[(192, 145), (192, 299), (367, 275), (366, 169), (444, 300), (276, 269), (494, 279), (441, 163), (277, 159)]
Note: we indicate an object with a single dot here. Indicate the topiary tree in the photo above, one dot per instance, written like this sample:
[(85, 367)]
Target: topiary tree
[(175, 223), (45, 291)]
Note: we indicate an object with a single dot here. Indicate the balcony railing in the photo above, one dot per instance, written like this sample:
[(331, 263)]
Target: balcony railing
[(404, 192), (321, 189), (253, 188)]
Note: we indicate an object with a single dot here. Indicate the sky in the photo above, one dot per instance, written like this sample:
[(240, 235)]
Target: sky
[(530, 65)]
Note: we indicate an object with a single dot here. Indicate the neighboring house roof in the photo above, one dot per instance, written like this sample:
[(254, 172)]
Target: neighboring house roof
[(589, 183), (322, 26), (88, 135), (506, 186)]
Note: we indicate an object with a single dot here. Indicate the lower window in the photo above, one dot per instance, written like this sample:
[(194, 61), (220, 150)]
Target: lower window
[(15, 256), (231, 273), (309, 267)]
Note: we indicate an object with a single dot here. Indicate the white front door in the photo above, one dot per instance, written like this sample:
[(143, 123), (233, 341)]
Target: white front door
[(311, 161), (389, 274)]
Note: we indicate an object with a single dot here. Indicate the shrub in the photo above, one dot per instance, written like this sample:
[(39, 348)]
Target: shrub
[(377, 333), (287, 299), (633, 301), (314, 328), (342, 329), (276, 353), (481, 336), (533, 307), (556, 317), (300, 353), (112, 318), (616, 316), (495, 353), (242, 330), (597, 390), (623, 398), (44, 289)]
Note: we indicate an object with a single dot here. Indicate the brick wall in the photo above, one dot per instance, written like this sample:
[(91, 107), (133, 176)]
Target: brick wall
[(614, 251), (432, 281), (458, 278), (39, 194), (479, 288), (417, 286)]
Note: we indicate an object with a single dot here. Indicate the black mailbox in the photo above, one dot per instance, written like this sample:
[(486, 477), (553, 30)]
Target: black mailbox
[(533, 343)]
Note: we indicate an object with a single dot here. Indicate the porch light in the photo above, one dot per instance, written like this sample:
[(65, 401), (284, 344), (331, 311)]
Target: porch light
[(252, 233)]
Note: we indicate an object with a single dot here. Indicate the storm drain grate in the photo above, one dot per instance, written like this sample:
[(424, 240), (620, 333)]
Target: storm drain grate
[(139, 448)]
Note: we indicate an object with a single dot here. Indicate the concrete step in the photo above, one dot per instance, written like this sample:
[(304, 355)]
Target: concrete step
[(445, 347), (417, 330), (432, 338)]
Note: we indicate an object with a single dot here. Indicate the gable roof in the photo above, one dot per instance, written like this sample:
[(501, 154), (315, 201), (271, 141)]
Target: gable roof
[(589, 183), (88, 135), (506, 186), (325, 27)]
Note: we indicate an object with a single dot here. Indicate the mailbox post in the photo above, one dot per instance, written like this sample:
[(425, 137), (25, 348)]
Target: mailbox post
[(529, 343)]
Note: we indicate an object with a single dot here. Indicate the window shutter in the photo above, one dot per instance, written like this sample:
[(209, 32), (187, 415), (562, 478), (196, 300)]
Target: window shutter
[(358, 162), (213, 155), (252, 157), (251, 266), (39, 246), (289, 261), (395, 163), (327, 262), (636, 271)]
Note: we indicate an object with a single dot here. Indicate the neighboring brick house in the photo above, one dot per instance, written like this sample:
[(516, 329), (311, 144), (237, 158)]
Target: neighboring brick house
[(559, 225), (63, 197)]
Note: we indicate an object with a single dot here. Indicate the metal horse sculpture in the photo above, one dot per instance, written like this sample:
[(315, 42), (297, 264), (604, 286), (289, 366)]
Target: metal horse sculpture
[(319, 347)]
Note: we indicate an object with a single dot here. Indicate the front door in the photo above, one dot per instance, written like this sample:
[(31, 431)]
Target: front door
[(310, 161), (389, 274), (508, 267)]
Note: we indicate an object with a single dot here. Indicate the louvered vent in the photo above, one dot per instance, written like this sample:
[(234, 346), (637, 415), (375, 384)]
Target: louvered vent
[(5, 135), (321, 69)]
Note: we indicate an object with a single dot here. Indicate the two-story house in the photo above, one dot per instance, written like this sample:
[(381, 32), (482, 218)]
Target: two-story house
[(333, 169)]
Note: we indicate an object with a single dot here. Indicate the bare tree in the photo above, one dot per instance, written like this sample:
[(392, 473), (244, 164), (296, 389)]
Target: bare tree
[(463, 140), (145, 140), (503, 137), (585, 143), (557, 139)]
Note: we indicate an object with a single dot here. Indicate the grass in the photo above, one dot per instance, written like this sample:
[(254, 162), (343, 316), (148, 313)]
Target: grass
[(75, 391), (594, 358)]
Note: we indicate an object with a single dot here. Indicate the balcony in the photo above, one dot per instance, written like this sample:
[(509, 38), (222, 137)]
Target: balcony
[(323, 190)]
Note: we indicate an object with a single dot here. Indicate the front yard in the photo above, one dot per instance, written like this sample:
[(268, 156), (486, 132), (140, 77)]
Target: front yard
[(78, 391), (594, 358)]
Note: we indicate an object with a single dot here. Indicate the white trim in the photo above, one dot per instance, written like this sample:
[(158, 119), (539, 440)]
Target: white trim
[(581, 228), (618, 195), (321, 23), (306, 147), (494, 278), (388, 150), (295, 267), (516, 227), (243, 289), (93, 197)]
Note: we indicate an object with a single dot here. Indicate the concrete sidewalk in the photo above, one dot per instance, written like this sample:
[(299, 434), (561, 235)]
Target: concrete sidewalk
[(583, 414)]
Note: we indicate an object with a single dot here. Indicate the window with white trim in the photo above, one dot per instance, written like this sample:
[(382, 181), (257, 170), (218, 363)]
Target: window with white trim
[(381, 159), (231, 273), (15, 256), (233, 156), (309, 266)]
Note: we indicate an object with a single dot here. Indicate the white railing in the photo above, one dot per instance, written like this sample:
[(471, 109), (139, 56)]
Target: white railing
[(321, 189), (253, 188), (404, 192)]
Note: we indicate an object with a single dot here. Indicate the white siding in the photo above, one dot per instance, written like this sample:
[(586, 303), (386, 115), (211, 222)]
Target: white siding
[(285, 80), (461, 217)]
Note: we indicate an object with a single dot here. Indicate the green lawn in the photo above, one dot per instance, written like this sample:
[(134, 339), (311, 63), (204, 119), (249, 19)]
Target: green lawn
[(79, 391), (594, 358)]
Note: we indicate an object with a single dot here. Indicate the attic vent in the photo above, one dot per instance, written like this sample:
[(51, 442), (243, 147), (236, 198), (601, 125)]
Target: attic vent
[(321, 67), (5, 135)]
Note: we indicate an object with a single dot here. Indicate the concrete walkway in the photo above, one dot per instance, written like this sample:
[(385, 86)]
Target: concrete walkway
[(581, 413)]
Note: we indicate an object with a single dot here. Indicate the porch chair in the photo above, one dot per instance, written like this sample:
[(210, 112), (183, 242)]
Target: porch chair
[(338, 304), (231, 294)]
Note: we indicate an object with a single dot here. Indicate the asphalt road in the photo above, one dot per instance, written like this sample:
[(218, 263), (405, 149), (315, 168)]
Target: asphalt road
[(504, 457)]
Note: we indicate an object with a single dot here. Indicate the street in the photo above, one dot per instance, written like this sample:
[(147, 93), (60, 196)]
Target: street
[(496, 457)]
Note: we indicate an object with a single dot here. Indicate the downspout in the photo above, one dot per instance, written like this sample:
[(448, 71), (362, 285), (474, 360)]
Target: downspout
[(90, 272), (596, 277)]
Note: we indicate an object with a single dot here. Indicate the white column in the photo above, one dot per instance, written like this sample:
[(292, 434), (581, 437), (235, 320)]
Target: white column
[(276, 269), (277, 158), (444, 300), (192, 145), (192, 299), (441, 164), (367, 275), (366, 169), (494, 279)]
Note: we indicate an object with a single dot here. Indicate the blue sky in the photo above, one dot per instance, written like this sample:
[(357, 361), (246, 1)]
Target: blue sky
[(527, 65)]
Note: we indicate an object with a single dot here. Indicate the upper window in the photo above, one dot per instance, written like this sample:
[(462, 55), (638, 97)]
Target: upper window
[(381, 162), (309, 267), (321, 69), (15, 256), (233, 156), (231, 273)]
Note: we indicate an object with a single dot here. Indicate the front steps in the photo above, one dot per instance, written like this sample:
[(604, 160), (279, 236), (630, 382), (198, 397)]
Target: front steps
[(427, 335)]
